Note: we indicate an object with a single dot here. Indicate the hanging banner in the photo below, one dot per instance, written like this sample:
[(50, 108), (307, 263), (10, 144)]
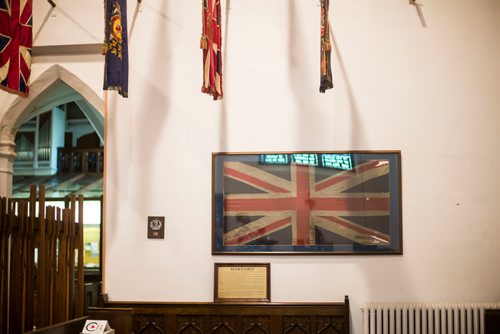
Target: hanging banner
[(16, 40), (211, 44), (116, 47), (326, 81)]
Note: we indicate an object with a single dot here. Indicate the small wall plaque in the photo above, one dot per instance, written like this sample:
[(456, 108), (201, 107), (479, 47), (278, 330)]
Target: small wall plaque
[(156, 227)]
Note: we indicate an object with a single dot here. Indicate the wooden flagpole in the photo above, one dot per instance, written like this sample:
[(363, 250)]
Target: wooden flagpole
[(104, 182)]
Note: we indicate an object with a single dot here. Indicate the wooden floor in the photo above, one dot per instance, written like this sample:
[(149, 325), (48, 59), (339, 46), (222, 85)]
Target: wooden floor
[(60, 185)]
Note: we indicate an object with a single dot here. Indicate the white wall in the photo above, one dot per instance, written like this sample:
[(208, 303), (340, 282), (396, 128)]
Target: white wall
[(427, 85), (69, 22)]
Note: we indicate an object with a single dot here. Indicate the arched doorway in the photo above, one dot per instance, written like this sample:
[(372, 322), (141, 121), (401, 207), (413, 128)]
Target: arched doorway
[(53, 87)]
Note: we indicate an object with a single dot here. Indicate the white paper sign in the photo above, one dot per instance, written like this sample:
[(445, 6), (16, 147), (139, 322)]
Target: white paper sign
[(96, 327)]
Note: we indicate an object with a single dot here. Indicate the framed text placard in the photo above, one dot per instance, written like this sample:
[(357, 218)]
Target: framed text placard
[(242, 282), (307, 203)]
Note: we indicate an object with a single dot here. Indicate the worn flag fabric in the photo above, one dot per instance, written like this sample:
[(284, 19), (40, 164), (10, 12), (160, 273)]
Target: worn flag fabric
[(326, 80), (16, 40), (116, 47), (211, 44), (304, 207)]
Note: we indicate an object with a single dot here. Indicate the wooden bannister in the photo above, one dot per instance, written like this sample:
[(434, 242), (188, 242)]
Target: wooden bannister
[(80, 160)]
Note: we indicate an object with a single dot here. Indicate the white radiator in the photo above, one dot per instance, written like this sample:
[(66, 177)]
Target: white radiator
[(457, 318)]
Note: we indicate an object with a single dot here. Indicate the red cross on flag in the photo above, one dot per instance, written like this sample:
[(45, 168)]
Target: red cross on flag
[(15, 45)]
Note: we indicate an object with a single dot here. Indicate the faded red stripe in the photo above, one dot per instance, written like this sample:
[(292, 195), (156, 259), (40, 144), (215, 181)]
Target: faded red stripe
[(357, 228), (323, 204), (303, 205), (253, 180), (258, 233)]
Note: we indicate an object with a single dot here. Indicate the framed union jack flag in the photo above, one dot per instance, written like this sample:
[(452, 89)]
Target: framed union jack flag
[(307, 203)]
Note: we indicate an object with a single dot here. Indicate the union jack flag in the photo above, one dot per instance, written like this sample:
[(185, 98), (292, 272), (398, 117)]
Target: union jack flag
[(211, 44), (305, 208), (15, 45)]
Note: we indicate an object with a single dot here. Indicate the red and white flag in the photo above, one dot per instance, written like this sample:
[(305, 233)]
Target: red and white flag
[(211, 44), (306, 205), (15, 45)]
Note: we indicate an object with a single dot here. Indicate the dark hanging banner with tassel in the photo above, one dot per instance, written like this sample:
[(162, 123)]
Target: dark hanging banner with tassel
[(326, 81), (211, 44), (115, 47)]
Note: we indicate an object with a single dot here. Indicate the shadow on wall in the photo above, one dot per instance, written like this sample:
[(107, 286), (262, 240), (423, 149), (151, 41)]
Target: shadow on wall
[(149, 124), (381, 279), (308, 116), (223, 106), (357, 138)]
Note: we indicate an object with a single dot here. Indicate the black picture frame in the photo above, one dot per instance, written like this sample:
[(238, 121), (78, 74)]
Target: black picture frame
[(314, 202)]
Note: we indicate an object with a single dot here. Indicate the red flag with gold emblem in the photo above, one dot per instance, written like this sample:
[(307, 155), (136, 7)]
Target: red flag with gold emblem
[(15, 45)]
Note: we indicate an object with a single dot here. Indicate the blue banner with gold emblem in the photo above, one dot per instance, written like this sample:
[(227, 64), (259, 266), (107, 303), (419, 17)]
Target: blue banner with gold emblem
[(116, 47)]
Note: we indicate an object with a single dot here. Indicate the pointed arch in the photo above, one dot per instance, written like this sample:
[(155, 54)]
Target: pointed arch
[(62, 86), (18, 110)]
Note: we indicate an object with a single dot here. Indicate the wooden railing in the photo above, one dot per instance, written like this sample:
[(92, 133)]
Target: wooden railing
[(80, 160), (41, 283)]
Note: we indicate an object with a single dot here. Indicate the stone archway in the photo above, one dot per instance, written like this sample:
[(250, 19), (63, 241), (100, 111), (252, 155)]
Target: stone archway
[(19, 110)]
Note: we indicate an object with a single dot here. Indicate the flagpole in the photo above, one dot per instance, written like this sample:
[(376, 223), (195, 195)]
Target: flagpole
[(103, 225)]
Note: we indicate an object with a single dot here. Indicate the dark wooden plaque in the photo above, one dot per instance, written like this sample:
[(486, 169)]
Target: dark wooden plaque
[(156, 227)]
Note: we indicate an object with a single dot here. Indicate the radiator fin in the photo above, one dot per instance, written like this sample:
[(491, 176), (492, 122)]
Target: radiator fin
[(411, 318)]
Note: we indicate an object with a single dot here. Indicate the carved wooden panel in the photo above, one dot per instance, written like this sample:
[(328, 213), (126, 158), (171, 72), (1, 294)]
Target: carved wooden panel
[(330, 325), (223, 325), (256, 325), (190, 324), (297, 325), (149, 324)]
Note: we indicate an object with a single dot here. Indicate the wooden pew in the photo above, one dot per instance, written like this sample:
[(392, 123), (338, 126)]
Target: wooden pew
[(74, 326)]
